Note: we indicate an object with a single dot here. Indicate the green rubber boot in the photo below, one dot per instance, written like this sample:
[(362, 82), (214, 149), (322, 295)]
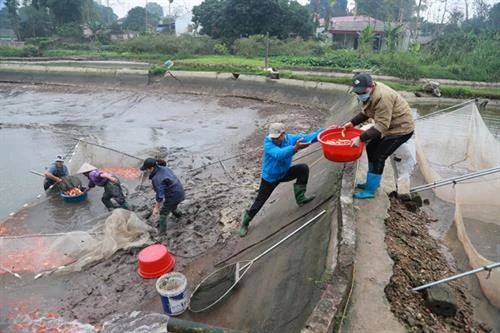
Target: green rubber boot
[(245, 222), (300, 194), (162, 224)]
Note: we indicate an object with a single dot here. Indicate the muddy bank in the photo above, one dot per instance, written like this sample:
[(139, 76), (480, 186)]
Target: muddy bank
[(407, 235)]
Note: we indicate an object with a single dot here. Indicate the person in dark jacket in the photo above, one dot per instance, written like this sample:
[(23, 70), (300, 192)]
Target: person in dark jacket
[(279, 148), (168, 188), (393, 126)]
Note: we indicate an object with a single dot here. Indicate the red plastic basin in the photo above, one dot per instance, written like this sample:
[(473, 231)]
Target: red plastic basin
[(154, 261), (340, 152)]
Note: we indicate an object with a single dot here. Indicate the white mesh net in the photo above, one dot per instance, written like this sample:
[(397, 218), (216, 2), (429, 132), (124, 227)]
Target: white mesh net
[(88, 236), (72, 251), (454, 144)]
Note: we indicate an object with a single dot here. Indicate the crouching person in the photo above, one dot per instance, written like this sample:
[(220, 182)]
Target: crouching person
[(168, 188), (110, 183), (279, 148)]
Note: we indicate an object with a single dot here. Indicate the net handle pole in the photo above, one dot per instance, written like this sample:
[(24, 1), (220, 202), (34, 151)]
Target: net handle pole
[(458, 276), (285, 238), (454, 180), (445, 109)]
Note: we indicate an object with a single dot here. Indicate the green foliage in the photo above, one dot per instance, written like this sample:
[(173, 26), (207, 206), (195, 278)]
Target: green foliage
[(402, 64), (282, 19), (469, 56), (221, 49), (344, 60), (169, 44), (136, 19), (252, 46), (255, 46), (365, 40), (34, 22), (157, 70), (6, 51), (71, 29), (67, 11)]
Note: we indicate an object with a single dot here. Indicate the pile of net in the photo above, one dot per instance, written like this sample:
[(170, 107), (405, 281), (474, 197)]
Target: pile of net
[(456, 143), (73, 251)]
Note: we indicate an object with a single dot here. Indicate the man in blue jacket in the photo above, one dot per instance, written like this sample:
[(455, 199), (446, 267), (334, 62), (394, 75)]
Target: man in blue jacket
[(279, 148)]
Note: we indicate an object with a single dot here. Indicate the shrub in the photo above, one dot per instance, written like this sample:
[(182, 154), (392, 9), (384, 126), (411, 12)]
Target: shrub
[(221, 49), (6, 51), (69, 30)]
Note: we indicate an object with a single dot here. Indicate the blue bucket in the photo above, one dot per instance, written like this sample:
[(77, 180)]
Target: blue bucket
[(172, 290), (75, 198)]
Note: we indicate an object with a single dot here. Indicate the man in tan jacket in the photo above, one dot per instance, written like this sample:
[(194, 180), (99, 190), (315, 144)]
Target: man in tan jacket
[(393, 126)]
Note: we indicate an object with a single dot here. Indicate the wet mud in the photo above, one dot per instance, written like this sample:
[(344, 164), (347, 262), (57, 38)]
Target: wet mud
[(213, 145)]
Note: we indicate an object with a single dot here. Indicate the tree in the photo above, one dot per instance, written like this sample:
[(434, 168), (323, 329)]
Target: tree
[(392, 34), (365, 40), (207, 15), (494, 17), (386, 10), (154, 9), (481, 9), (136, 19), (105, 14), (35, 22), (12, 8), (252, 17), (456, 17), (66, 11)]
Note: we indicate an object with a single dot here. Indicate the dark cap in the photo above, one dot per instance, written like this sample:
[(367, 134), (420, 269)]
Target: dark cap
[(148, 163), (360, 82)]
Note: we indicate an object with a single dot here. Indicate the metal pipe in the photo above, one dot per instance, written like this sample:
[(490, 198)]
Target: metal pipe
[(176, 325), (289, 235), (455, 180), (458, 276)]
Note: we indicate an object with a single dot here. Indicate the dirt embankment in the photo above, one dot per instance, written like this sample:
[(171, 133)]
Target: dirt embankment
[(417, 258)]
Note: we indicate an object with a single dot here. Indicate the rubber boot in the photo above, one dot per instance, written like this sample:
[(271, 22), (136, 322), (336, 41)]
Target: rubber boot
[(125, 205), (162, 224), (372, 185), (300, 194), (245, 222), (370, 169)]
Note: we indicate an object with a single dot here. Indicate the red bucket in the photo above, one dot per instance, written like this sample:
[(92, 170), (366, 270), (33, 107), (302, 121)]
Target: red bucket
[(337, 147), (154, 261)]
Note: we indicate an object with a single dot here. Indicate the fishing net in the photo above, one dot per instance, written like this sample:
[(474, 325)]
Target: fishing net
[(215, 287), (122, 165), (73, 251), (456, 143), (48, 233)]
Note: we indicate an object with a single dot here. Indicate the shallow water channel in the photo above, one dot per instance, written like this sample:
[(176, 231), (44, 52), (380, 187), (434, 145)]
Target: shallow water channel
[(37, 125)]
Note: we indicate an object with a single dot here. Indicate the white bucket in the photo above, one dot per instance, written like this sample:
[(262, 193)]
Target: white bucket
[(172, 289)]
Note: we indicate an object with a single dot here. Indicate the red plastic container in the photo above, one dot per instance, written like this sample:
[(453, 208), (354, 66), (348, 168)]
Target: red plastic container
[(340, 152), (154, 261)]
